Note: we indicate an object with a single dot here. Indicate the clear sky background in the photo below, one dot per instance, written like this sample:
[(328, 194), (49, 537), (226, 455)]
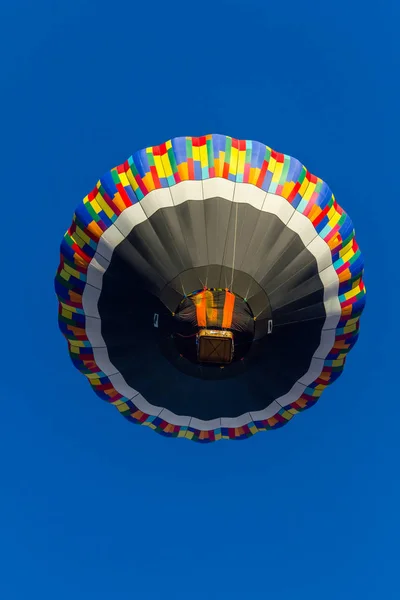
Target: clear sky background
[(92, 507)]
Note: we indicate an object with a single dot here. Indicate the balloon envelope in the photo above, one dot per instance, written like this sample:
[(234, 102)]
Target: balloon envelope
[(210, 288)]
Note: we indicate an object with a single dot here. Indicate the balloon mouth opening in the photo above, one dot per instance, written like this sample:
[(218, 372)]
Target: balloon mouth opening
[(213, 328)]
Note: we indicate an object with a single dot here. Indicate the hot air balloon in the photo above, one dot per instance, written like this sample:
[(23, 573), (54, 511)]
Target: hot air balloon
[(210, 288)]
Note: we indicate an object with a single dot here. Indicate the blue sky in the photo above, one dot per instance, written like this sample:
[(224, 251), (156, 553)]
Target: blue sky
[(94, 507)]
